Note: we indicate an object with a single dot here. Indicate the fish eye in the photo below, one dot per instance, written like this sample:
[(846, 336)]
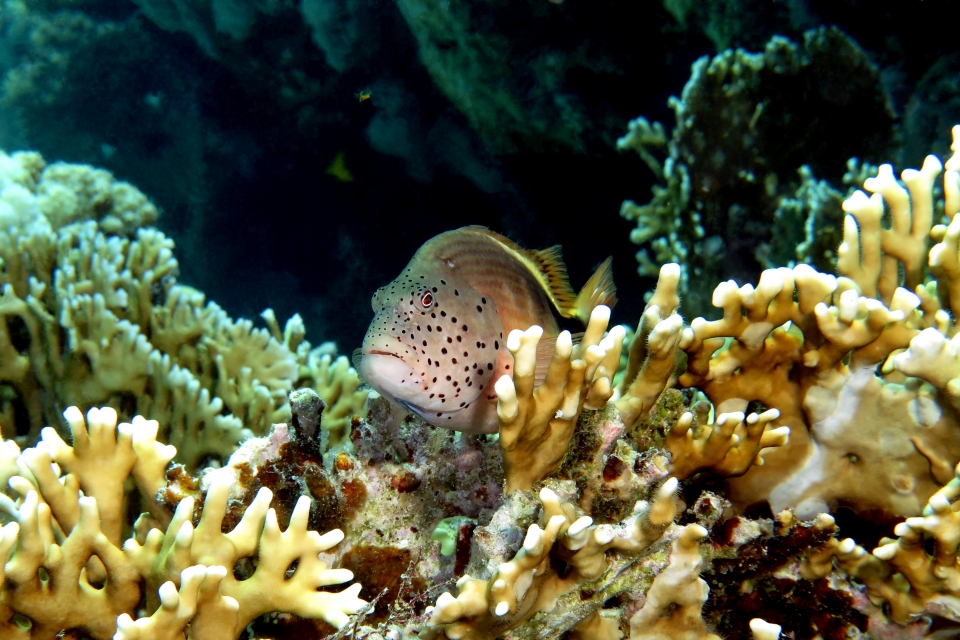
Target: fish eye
[(426, 299)]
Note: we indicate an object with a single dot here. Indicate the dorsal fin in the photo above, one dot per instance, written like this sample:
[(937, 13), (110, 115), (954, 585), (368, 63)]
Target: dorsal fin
[(551, 266), (545, 265)]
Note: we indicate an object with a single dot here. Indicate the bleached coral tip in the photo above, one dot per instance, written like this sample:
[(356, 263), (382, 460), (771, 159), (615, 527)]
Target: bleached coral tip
[(670, 269), (763, 630), (533, 539), (886, 552), (72, 414), (580, 525), (168, 595), (502, 609), (548, 495), (669, 487), (217, 571), (939, 503), (601, 312), (445, 600)]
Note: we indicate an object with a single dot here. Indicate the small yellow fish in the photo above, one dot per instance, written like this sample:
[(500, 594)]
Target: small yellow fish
[(363, 95), (437, 342), (338, 168)]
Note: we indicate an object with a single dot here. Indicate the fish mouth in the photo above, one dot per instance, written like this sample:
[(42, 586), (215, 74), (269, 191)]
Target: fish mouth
[(358, 355), (388, 373), (375, 352), (412, 408)]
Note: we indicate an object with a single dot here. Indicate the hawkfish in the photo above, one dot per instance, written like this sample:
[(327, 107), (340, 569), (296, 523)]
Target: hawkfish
[(437, 342)]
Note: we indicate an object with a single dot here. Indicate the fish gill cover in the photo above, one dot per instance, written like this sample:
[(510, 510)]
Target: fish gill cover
[(170, 469)]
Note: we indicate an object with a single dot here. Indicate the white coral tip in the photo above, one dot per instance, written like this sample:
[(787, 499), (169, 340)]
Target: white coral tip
[(580, 525), (669, 488), (939, 503), (847, 546), (502, 609), (169, 598), (763, 630), (445, 600), (533, 539), (548, 495), (886, 552)]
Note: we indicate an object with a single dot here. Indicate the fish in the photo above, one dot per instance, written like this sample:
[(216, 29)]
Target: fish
[(437, 342)]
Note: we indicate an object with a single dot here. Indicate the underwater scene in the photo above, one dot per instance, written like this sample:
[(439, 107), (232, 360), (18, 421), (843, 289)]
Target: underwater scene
[(479, 319)]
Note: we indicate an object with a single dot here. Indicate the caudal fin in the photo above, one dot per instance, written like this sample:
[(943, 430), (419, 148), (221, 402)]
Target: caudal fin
[(598, 290)]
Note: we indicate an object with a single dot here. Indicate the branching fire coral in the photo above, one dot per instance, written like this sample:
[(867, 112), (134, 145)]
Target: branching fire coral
[(64, 567), (845, 360), (92, 315), (531, 582)]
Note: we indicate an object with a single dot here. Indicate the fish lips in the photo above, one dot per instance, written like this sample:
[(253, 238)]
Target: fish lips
[(390, 375)]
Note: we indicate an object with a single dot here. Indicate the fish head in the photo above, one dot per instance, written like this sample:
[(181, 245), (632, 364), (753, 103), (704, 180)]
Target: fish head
[(432, 345)]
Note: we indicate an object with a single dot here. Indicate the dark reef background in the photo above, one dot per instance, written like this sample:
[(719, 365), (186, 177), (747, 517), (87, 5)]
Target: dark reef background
[(228, 113)]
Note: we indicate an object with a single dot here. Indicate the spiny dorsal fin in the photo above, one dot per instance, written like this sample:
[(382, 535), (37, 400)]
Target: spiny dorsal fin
[(550, 263), (546, 265)]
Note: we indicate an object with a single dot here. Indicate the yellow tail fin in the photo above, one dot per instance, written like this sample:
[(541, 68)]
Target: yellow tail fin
[(598, 290)]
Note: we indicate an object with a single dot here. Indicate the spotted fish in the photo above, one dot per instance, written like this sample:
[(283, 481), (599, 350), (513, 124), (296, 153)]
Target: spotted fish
[(437, 342)]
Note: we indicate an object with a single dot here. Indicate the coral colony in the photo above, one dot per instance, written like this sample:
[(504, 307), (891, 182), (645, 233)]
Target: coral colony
[(790, 468)]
